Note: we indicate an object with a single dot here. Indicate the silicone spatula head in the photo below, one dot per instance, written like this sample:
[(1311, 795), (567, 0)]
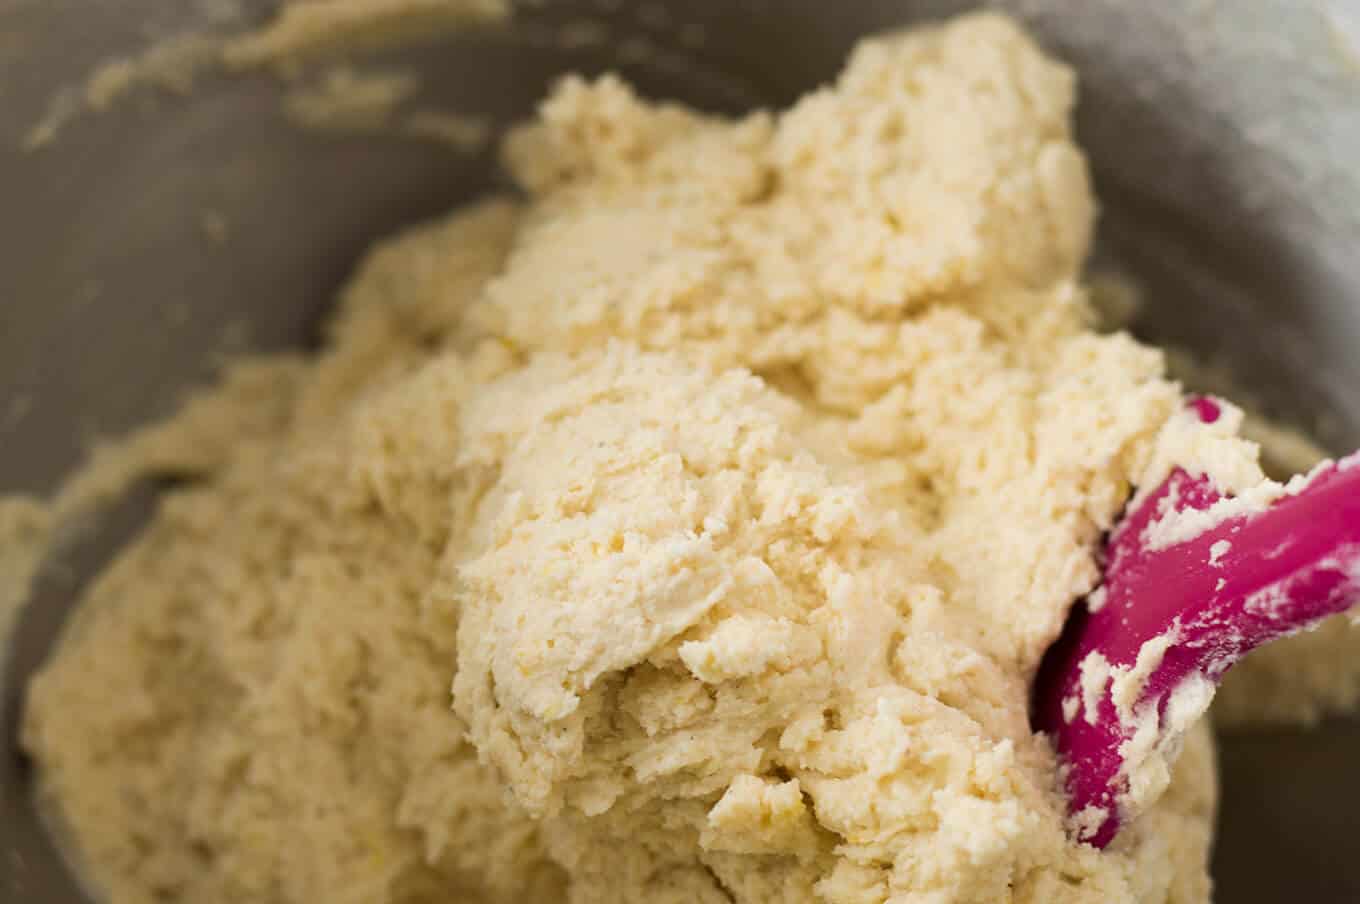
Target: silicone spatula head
[(1194, 580)]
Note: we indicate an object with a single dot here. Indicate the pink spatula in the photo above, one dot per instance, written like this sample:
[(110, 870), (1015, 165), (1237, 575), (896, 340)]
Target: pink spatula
[(1192, 606)]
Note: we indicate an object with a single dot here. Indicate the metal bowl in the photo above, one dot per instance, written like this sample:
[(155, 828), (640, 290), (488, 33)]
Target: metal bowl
[(1222, 136)]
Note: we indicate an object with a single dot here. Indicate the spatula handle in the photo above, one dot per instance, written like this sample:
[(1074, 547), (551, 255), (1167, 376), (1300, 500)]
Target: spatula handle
[(1247, 579)]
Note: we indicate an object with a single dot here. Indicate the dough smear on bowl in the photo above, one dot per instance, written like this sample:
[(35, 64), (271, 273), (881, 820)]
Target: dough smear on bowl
[(688, 532)]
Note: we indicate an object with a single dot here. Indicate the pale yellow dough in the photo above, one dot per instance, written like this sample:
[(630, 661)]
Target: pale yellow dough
[(689, 532)]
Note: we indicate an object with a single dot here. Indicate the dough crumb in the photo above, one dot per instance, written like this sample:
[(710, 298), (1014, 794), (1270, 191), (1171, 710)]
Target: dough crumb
[(346, 99), (313, 28)]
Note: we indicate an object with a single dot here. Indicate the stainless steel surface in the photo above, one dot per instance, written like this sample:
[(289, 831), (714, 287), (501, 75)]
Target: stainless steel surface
[(1221, 133)]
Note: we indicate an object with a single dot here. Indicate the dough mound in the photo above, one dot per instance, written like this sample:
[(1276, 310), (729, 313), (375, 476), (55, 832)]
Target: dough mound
[(735, 483), (705, 649)]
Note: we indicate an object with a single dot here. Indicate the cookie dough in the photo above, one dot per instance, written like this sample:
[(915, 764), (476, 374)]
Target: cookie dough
[(688, 532)]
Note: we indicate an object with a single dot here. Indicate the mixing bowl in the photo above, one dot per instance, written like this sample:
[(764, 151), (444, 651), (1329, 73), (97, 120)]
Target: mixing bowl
[(153, 238)]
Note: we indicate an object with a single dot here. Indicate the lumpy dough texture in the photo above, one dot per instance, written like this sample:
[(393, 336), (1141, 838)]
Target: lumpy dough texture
[(735, 483)]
